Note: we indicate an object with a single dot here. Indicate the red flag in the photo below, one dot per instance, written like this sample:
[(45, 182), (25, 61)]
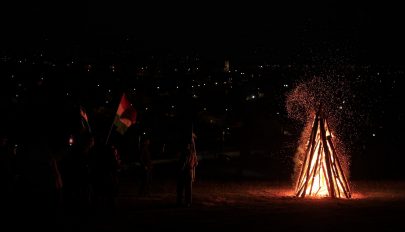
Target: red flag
[(84, 119), (125, 116)]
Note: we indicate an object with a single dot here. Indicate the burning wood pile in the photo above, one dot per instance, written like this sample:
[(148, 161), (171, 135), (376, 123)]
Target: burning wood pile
[(321, 173)]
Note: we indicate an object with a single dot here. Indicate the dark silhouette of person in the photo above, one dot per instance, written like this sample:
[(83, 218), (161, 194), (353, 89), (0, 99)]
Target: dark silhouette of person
[(103, 169), (146, 168), (186, 174), (117, 157), (75, 171), (6, 171), (37, 193)]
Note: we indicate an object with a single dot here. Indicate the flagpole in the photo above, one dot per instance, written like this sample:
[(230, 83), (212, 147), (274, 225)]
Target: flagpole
[(109, 133), (112, 124)]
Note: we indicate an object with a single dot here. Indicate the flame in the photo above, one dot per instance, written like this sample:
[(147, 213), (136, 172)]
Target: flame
[(321, 173), (71, 140)]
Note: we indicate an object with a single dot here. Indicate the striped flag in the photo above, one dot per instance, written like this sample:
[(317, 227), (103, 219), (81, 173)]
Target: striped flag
[(125, 116)]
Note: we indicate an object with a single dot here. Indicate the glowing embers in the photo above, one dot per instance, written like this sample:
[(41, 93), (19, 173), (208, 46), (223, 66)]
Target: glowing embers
[(321, 173)]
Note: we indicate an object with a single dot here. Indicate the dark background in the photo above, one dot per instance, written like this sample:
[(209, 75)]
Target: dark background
[(324, 35), (365, 32)]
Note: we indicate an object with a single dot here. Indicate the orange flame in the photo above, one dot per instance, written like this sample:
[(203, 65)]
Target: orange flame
[(321, 172)]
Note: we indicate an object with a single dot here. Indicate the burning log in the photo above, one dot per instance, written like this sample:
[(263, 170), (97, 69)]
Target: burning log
[(321, 173)]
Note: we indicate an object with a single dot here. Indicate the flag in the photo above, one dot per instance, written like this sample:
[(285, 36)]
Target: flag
[(84, 119), (193, 137), (193, 159), (125, 116)]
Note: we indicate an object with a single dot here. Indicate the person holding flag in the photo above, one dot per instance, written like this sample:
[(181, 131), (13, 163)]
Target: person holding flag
[(188, 161)]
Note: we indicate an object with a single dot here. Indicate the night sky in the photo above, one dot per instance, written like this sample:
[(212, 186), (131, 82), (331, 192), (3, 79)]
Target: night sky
[(361, 32)]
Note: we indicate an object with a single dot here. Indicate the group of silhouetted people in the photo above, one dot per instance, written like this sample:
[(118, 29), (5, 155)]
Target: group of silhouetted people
[(187, 162), (79, 180), (90, 174)]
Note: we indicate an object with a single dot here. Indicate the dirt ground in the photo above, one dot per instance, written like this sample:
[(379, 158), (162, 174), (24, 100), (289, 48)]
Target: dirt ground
[(228, 199), (255, 205)]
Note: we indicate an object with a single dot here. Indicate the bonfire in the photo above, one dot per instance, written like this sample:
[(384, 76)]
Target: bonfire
[(321, 173)]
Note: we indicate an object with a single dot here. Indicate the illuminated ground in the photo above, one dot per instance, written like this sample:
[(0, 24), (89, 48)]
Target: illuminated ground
[(257, 205), (225, 200)]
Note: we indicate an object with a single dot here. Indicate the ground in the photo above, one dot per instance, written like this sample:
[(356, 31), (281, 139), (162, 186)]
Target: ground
[(230, 197), (258, 205), (249, 202)]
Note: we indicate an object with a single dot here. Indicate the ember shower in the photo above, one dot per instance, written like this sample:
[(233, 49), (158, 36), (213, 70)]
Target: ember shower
[(321, 159)]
